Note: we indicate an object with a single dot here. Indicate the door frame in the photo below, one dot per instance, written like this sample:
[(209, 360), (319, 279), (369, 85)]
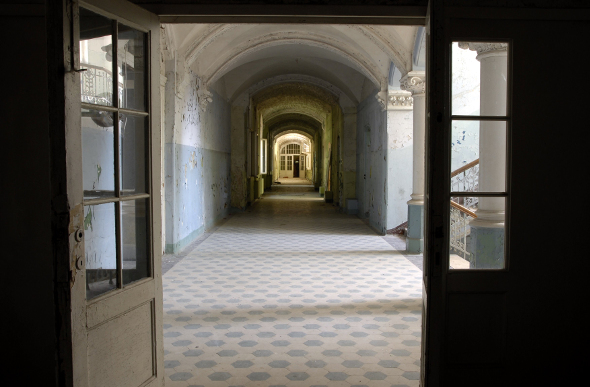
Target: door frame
[(66, 212)]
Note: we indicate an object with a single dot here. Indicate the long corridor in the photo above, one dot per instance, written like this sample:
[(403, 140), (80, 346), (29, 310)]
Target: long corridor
[(292, 293)]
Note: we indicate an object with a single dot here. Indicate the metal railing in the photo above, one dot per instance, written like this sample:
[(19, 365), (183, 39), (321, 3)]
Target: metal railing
[(459, 232), (96, 84), (464, 179)]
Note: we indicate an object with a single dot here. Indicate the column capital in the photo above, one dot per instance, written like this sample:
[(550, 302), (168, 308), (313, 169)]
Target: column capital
[(487, 49), (414, 82)]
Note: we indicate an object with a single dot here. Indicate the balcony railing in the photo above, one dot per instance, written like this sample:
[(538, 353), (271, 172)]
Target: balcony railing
[(96, 85)]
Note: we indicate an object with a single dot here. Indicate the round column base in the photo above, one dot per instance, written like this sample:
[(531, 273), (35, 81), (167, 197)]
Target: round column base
[(415, 237)]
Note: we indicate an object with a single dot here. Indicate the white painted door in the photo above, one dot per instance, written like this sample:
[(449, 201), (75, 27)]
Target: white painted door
[(114, 164), (288, 171)]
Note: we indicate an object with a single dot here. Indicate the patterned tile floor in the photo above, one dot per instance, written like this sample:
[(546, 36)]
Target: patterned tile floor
[(292, 293)]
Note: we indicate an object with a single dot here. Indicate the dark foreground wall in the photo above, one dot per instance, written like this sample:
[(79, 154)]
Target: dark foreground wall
[(27, 275)]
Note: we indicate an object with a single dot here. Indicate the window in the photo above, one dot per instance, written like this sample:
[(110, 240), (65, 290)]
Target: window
[(480, 126), (115, 143), (291, 149), (282, 163), (263, 156)]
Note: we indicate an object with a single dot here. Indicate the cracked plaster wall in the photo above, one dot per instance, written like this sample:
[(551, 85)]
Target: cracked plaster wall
[(197, 161)]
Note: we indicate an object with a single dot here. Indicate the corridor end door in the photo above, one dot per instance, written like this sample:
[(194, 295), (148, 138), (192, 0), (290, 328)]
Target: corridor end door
[(295, 166), (114, 158)]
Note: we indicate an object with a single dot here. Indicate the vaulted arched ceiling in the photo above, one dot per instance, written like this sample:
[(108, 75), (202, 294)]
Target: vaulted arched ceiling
[(354, 59)]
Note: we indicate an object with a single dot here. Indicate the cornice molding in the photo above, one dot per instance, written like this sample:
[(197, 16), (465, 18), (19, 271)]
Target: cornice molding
[(395, 100), (485, 49)]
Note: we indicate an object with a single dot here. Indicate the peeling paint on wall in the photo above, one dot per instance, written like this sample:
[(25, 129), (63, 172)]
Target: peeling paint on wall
[(198, 152)]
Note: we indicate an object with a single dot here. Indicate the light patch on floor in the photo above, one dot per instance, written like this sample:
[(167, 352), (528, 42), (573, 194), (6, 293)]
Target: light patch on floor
[(292, 293)]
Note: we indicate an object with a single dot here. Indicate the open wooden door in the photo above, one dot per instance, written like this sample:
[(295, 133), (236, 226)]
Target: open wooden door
[(486, 116), (113, 173)]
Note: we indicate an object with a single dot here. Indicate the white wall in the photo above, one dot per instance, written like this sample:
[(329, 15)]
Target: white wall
[(399, 166)]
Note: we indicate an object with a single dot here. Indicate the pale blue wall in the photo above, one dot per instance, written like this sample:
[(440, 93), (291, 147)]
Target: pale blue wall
[(197, 162), (371, 162)]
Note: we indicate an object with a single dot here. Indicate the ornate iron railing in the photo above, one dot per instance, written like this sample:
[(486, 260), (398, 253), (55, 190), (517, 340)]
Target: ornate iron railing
[(464, 179), (460, 218), (96, 85)]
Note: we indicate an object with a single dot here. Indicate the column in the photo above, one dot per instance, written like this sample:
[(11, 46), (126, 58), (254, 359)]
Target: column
[(487, 231), (414, 82)]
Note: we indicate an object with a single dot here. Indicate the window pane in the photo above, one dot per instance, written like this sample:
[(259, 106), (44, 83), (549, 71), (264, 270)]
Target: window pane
[(135, 241), (98, 154), (96, 43), (478, 156), (100, 248), (131, 65), (133, 154), (477, 233), (479, 78)]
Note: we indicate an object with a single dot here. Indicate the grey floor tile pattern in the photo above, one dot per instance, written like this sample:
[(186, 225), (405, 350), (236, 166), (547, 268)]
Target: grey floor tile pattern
[(292, 293)]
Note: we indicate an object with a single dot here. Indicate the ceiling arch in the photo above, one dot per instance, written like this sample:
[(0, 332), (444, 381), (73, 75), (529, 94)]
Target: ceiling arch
[(231, 58), (295, 127), (344, 97), (290, 138), (300, 121), (244, 53), (294, 98)]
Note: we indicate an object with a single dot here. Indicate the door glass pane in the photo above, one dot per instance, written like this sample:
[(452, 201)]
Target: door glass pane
[(96, 43), (100, 248), (98, 154), (478, 156), (132, 142), (131, 65), (134, 218), (477, 233), (479, 78)]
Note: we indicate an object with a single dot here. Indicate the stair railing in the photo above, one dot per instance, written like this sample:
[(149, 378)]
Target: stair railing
[(464, 179)]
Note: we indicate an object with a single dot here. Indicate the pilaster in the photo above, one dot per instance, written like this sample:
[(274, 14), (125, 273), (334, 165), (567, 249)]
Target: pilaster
[(415, 83)]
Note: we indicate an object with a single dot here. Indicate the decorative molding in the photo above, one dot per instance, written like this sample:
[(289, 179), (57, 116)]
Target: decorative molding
[(395, 100), (484, 48), (414, 82), (400, 100), (204, 96), (382, 99)]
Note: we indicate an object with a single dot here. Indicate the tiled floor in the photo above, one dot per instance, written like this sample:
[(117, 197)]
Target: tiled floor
[(292, 293)]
